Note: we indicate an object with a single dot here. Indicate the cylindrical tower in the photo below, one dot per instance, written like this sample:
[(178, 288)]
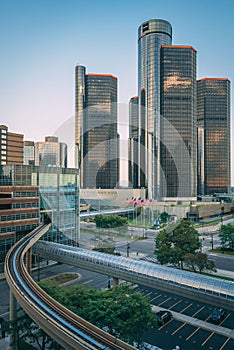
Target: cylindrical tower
[(152, 35), (79, 110)]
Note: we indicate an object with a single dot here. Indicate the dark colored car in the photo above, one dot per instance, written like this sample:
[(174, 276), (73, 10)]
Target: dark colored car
[(217, 315), (163, 316)]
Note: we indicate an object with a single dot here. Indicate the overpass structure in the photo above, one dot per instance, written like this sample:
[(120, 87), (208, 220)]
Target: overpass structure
[(212, 290), (119, 211)]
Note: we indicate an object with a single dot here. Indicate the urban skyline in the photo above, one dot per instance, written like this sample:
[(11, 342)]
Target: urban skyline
[(38, 81)]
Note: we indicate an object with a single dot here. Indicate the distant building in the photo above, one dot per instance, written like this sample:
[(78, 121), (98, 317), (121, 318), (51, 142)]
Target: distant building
[(29, 153), (178, 129), (133, 171), (11, 147), (200, 161), (213, 115), (51, 153), (97, 140)]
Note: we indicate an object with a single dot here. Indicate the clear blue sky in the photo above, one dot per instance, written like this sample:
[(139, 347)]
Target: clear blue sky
[(43, 40)]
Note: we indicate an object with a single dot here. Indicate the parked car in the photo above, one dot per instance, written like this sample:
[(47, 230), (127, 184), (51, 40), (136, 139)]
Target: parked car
[(163, 316), (217, 315)]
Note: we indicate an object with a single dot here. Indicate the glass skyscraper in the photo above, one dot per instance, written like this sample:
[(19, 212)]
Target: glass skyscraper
[(152, 35), (178, 129), (51, 152), (213, 114), (32, 194), (97, 140), (133, 142)]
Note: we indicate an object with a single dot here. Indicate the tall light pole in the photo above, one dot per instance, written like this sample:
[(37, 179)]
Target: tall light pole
[(212, 241), (128, 247)]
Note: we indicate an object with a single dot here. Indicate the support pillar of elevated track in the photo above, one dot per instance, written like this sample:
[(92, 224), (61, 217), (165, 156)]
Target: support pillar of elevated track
[(13, 316), (115, 282)]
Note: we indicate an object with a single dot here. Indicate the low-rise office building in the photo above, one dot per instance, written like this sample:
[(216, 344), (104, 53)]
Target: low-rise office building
[(30, 195)]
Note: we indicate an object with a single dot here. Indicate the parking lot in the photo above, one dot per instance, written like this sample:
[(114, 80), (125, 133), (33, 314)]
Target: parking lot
[(187, 336)]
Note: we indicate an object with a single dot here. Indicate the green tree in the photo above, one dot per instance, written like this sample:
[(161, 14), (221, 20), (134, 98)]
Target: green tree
[(109, 309), (164, 217), (28, 332), (171, 245), (110, 221), (199, 262), (227, 235)]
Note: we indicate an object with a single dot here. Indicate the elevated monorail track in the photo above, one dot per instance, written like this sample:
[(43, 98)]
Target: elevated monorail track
[(68, 329)]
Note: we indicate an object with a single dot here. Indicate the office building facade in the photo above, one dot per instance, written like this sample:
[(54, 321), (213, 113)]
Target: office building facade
[(133, 142), (51, 152), (152, 35), (178, 128), (11, 147), (97, 140), (213, 115), (30, 195), (29, 153)]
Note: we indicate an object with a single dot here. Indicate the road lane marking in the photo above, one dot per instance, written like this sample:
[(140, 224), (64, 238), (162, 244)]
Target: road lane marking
[(164, 301), (165, 324), (205, 341), (226, 341), (156, 297), (224, 319), (196, 330), (87, 282), (186, 308), (175, 304), (203, 307), (5, 313), (177, 330)]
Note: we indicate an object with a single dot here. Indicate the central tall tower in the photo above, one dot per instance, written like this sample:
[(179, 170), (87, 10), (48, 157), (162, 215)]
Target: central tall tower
[(152, 35)]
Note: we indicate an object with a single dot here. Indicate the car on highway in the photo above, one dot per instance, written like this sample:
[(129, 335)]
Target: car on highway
[(163, 316), (217, 315)]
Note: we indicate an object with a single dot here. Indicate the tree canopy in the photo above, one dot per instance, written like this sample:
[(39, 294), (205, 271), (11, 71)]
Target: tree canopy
[(171, 245), (108, 309), (199, 262), (109, 221), (227, 236)]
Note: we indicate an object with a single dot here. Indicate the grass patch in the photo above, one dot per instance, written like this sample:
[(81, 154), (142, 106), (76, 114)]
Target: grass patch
[(207, 223), (218, 276), (63, 278), (223, 252)]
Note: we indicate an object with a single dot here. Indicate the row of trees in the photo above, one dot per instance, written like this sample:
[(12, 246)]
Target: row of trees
[(227, 236), (110, 221), (179, 245)]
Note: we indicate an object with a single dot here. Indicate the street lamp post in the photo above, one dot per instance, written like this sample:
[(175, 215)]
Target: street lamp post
[(212, 241), (128, 247)]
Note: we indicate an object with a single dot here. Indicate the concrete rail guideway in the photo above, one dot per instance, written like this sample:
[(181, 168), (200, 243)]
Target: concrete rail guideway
[(69, 330)]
